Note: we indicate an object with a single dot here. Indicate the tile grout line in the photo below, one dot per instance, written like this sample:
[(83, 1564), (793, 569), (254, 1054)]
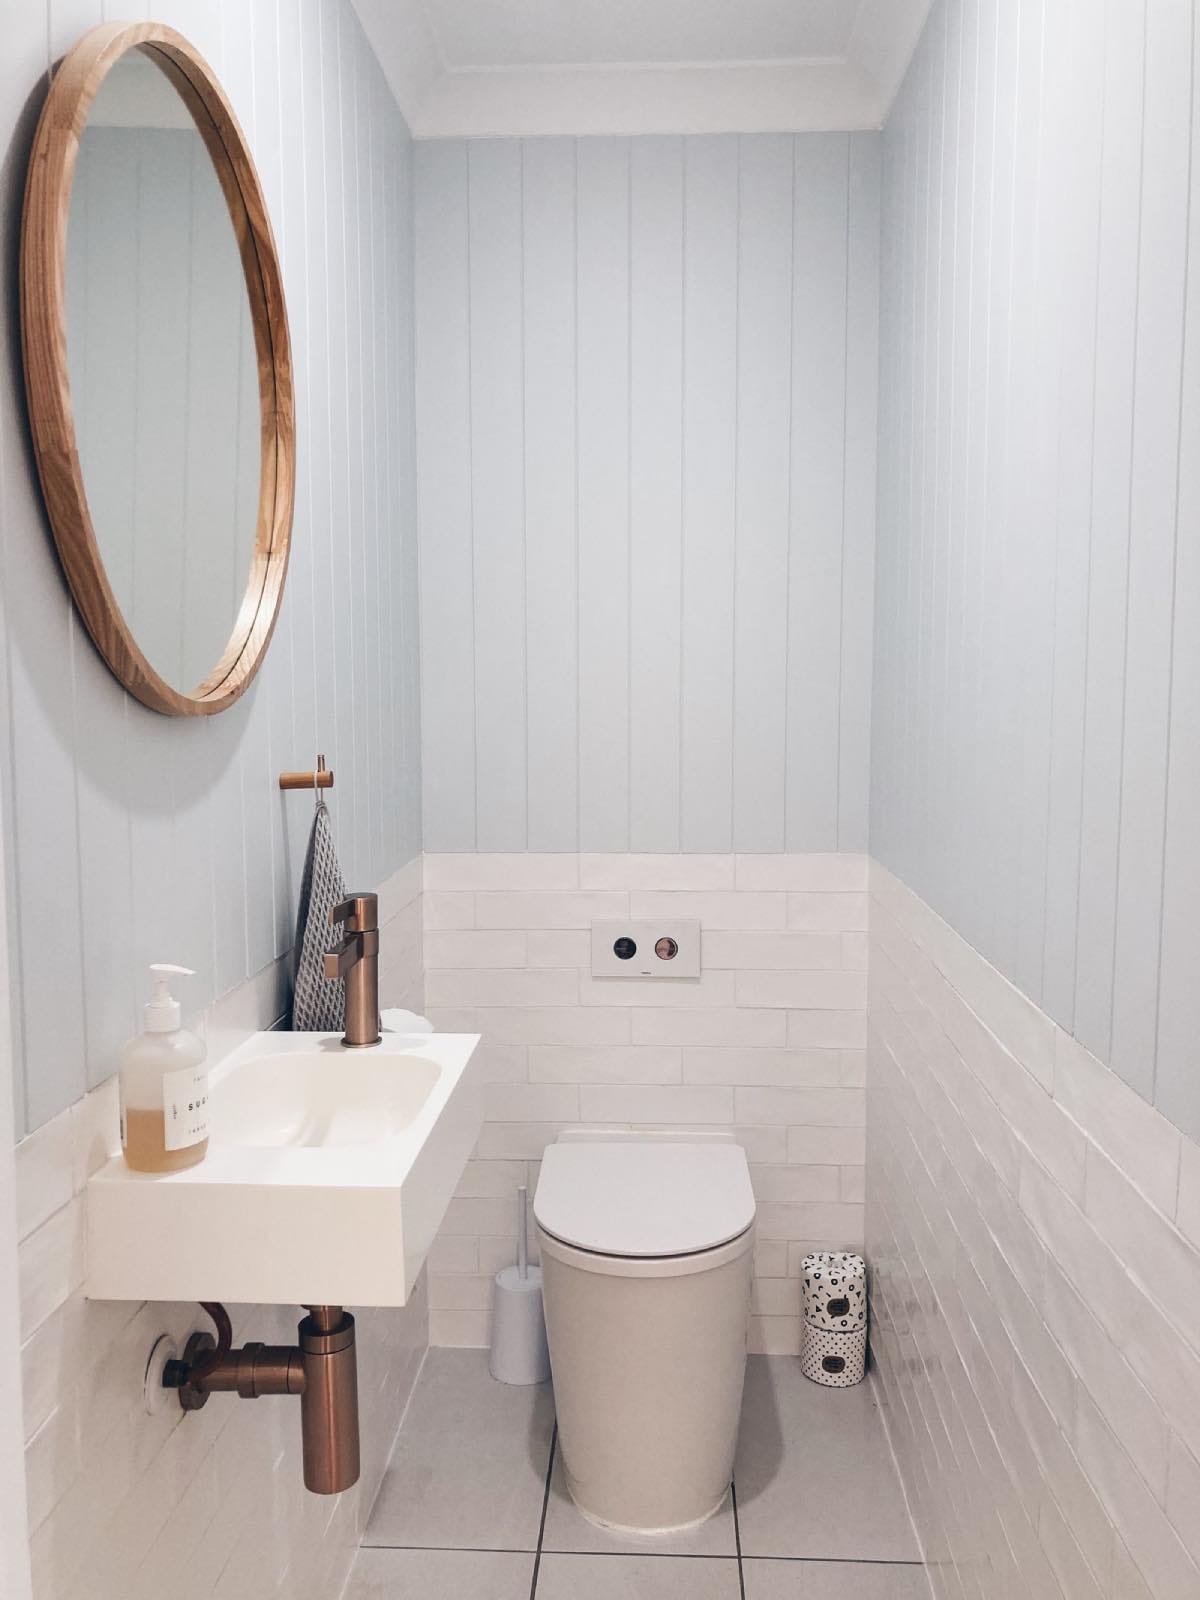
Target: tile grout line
[(737, 1538), (650, 1555), (844, 1561), (537, 1558), (653, 1555), (453, 1549)]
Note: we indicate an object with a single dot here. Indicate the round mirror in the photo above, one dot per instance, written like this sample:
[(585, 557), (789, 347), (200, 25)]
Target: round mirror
[(157, 367)]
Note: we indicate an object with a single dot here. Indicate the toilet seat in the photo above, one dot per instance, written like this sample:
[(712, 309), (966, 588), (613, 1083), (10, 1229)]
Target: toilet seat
[(644, 1202)]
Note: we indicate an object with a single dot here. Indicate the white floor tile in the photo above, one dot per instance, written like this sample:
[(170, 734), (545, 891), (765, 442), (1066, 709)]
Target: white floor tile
[(637, 1578), (440, 1575), (469, 1468), (826, 1580), (814, 1473), (567, 1529)]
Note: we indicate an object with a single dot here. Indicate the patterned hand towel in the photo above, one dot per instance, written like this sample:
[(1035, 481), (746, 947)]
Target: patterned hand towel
[(318, 1006)]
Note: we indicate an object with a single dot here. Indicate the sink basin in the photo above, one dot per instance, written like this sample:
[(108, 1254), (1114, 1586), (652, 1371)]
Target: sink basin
[(327, 1177), (302, 1099)]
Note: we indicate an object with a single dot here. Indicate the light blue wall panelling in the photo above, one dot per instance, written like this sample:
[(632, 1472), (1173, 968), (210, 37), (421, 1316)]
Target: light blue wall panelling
[(1036, 720), (646, 397), (137, 837)]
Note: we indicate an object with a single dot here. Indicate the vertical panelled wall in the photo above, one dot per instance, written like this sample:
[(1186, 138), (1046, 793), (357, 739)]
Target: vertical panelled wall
[(1032, 1220), (1036, 744), (646, 384), (140, 838)]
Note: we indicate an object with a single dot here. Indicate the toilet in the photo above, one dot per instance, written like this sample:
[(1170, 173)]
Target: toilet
[(646, 1245)]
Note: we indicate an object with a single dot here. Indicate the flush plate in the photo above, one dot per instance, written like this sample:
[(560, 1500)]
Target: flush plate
[(626, 949)]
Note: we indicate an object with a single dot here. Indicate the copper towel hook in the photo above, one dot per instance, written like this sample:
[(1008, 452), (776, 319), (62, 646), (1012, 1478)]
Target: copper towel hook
[(322, 778)]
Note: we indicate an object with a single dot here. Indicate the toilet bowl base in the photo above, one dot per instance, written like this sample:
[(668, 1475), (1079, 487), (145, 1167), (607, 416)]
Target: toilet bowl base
[(649, 1534)]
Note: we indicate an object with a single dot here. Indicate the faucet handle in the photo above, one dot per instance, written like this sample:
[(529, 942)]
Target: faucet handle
[(359, 911)]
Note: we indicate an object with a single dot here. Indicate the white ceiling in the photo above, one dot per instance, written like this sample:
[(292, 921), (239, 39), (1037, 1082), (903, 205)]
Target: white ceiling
[(519, 33), (526, 67)]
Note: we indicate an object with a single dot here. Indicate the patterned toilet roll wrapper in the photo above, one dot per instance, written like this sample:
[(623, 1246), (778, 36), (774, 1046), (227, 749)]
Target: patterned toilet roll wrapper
[(837, 1360), (835, 1290)]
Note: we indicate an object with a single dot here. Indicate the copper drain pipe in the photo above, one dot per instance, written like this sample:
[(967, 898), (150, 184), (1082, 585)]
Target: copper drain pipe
[(329, 1404), (322, 1369)]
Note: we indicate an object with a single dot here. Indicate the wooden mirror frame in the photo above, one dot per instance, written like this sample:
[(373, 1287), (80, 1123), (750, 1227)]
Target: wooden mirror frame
[(47, 379)]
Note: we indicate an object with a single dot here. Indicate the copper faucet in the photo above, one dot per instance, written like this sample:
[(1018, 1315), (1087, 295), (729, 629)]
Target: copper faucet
[(357, 960), (322, 1369)]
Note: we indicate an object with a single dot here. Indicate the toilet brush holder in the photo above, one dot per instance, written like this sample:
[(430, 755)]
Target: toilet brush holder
[(519, 1353)]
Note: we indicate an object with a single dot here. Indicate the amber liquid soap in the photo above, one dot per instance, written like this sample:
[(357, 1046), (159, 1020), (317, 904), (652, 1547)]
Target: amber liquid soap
[(146, 1151), (164, 1088)]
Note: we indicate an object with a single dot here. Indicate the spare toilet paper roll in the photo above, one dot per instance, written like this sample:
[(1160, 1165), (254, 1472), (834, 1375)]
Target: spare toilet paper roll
[(835, 1290), (836, 1360)]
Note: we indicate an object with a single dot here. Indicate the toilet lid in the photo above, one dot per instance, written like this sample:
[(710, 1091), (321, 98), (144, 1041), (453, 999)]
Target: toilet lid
[(642, 1199)]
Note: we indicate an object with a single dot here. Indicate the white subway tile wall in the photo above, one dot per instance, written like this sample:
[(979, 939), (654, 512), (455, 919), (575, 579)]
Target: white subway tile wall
[(507, 954), (1032, 1230), (209, 1506)]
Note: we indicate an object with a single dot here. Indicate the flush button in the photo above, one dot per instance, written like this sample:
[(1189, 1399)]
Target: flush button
[(625, 949), (666, 949)]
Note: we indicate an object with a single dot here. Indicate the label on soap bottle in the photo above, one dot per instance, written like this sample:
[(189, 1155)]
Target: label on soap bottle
[(185, 1108)]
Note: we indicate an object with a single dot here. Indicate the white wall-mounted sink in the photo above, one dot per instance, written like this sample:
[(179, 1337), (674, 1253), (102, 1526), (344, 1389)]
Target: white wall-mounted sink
[(301, 1100), (327, 1176)]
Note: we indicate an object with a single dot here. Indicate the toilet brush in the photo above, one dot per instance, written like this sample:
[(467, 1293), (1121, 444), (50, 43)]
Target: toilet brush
[(519, 1351)]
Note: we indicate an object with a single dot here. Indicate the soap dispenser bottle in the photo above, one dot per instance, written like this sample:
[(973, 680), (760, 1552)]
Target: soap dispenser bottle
[(164, 1086)]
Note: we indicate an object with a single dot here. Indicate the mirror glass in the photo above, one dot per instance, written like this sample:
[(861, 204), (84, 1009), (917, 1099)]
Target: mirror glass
[(163, 372)]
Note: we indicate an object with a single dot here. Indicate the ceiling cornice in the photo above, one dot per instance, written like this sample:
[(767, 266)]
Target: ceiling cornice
[(882, 43), (769, 98), (755, 97), (408, 52)]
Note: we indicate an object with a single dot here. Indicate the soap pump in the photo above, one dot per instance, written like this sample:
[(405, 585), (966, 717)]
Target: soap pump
[(164, 1086)]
